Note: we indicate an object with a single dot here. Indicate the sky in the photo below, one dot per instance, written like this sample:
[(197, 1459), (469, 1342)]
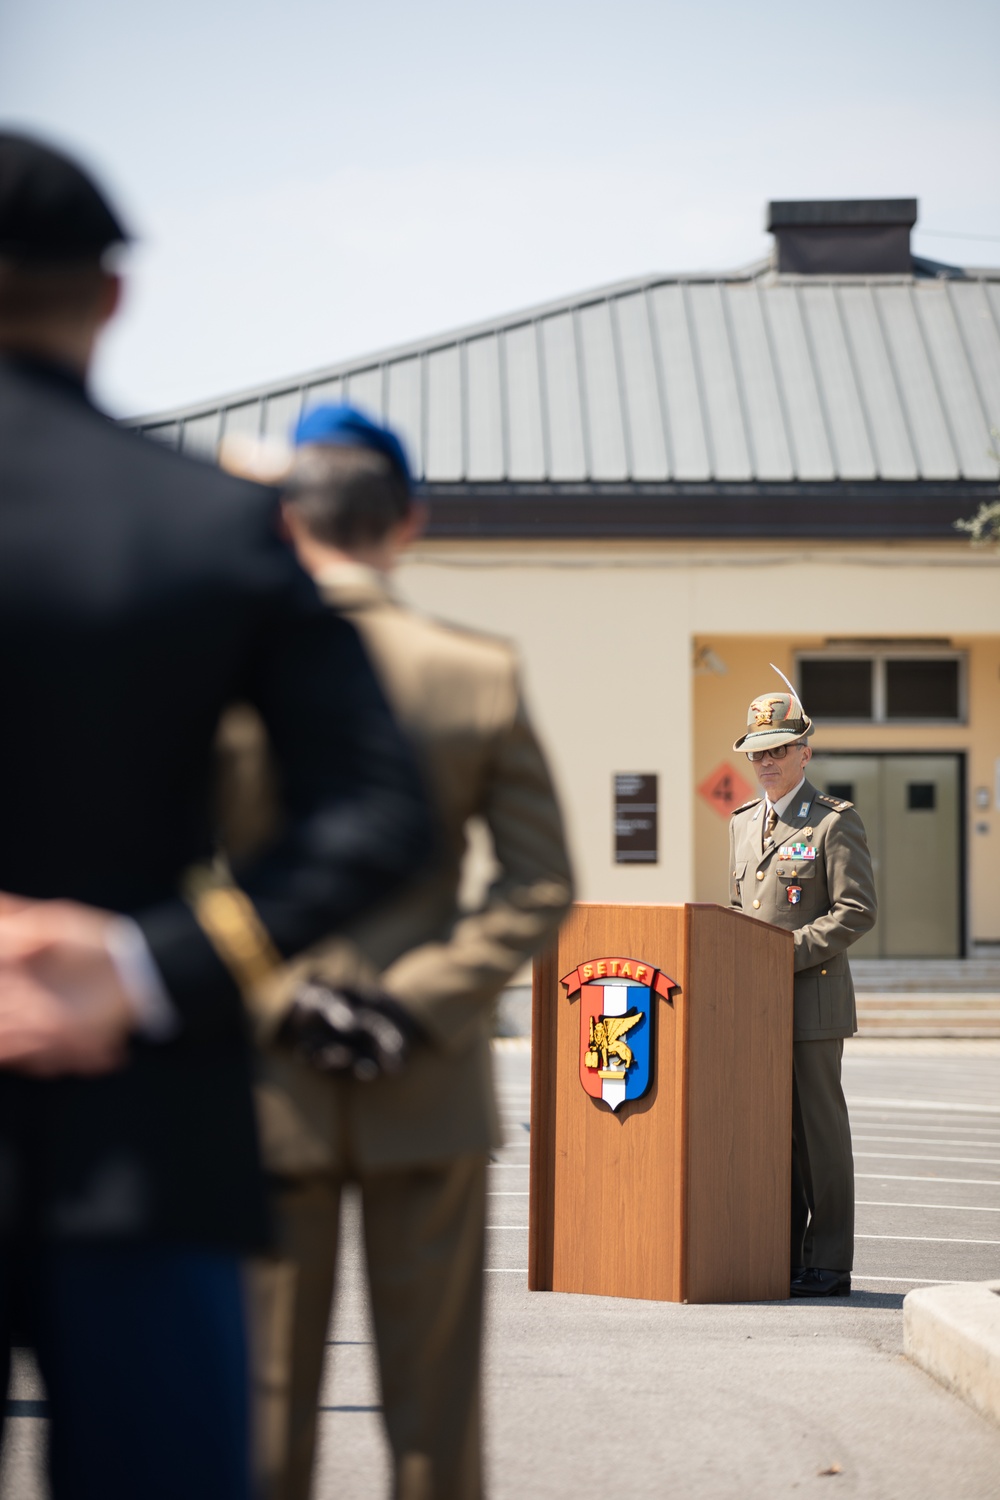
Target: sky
[(310, 180)]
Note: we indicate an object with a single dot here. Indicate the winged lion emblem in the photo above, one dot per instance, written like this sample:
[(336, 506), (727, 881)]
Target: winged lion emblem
[(606, 1039)]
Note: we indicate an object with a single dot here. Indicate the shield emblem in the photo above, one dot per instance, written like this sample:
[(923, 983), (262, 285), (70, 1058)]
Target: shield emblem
[(616, 1023), (616, 1026)]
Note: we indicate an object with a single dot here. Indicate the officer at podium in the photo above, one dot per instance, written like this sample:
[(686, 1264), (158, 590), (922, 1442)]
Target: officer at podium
[(799, 860)]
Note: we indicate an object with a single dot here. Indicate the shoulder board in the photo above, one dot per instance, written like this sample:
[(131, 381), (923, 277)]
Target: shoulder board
[(754, 802), (835, 802)]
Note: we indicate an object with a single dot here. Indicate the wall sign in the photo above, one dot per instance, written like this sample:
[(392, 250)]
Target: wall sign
[(725, 789), (635, 818)]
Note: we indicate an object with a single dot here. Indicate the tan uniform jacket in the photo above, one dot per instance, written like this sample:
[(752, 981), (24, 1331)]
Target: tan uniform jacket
[(457, 695), (837, 903)]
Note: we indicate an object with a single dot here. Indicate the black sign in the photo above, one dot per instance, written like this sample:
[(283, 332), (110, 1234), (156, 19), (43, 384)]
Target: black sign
[(635, 819)]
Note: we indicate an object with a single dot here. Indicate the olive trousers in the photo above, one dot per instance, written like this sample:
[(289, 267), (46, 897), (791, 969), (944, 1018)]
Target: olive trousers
[(822, 1159), (424, 1233)]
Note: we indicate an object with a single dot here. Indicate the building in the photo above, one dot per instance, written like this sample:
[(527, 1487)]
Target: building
[(660, 487)]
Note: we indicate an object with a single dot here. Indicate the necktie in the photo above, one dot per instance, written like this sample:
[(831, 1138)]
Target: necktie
[(772, 822)]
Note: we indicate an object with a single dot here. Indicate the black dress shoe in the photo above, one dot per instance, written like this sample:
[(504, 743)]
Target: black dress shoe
[(815, 1282)]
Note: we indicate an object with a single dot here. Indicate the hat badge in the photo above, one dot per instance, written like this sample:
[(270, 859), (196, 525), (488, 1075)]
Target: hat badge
[(763, 714)]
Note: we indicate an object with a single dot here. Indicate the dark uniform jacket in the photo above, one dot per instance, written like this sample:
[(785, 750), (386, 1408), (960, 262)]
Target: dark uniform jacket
[(140, 595), (814, 878)]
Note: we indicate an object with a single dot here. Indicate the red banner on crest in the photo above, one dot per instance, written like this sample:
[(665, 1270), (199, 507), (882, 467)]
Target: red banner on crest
[(608, 970)]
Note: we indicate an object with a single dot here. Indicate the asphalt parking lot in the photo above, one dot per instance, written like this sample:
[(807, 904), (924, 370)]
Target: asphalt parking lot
[(585, 1395), (588, 1395)]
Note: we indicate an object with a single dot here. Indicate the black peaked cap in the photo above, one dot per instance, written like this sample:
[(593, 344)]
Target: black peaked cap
[(50, 210)]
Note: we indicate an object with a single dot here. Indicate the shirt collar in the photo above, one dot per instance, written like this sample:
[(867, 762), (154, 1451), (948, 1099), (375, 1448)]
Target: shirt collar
[(51, 371), (350, 585), (783, 803)]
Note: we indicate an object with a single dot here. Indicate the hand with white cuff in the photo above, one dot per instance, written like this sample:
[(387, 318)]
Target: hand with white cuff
[(346, 1030), (75, 982)]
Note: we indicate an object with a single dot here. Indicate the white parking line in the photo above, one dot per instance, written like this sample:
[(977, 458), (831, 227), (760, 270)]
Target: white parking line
[(506, 1270), (505, 1193), (956, 1208), (910, 1140), (928, 1239), (922, 1106), (926, 1177), (971, 1161), (968, 1127)]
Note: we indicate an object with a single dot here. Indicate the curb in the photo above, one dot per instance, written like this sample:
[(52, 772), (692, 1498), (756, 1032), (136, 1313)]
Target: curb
[(953, 1332)]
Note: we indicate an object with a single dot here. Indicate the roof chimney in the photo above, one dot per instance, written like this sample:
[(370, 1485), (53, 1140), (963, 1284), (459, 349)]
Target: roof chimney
[(852, 236)]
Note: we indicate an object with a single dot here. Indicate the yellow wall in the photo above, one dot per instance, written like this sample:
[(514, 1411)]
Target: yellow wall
[(608, 634)]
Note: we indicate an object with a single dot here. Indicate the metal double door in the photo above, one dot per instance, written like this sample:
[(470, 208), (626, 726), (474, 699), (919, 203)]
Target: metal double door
[(911, 809)]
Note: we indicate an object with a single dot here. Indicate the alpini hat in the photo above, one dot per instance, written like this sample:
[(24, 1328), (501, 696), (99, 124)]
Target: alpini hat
[(774, 719)]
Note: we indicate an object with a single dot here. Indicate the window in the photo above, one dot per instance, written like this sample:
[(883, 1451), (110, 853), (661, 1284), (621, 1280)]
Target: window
[(921, 796), (882, 687), (922, 689), (837, 688)]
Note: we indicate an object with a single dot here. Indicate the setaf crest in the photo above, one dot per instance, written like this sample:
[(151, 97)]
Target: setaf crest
[(616, 1025)]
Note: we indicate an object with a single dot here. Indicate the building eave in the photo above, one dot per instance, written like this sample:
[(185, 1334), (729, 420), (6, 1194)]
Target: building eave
[(879, 511)]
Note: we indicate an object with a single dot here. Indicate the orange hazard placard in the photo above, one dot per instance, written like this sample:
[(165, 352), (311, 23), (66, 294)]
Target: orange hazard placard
[(725, 789)]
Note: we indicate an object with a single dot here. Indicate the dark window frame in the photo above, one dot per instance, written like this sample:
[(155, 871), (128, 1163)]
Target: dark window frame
[(880, 657)]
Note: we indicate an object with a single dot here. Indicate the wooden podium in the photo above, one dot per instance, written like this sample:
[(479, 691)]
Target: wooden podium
[(681, 1195)]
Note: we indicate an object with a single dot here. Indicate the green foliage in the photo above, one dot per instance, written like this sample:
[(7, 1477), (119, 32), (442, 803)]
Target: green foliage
[(984, 526)]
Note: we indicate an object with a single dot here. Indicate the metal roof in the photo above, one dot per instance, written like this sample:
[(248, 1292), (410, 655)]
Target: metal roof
[(745, 377)]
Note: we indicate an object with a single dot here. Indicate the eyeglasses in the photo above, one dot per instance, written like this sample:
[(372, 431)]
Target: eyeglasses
[(778, 753)]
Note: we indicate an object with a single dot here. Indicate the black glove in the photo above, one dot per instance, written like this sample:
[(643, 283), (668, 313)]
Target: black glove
[(346, 1030)]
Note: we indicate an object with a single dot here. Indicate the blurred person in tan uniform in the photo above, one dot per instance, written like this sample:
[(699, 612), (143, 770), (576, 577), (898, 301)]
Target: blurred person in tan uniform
[(799, 860), (415, 1139)]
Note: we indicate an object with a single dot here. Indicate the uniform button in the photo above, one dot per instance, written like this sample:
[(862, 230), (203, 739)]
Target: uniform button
[(760, 874), (757, 903), (822, 971)]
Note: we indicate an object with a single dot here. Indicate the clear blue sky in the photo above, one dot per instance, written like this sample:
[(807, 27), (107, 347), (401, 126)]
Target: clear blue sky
[(311, 180)]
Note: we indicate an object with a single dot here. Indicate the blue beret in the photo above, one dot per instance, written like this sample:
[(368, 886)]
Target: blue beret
[(350, 428)]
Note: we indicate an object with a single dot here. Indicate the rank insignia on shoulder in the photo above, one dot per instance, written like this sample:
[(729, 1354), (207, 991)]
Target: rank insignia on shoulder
[(837, 803), (745, 806)]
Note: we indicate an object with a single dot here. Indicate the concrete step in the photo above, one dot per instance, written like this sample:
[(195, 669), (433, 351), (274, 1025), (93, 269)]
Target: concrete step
[(886, 1013), (927, 975)]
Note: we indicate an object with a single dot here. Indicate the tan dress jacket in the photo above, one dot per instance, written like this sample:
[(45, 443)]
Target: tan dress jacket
[(458, 696), (827, 899)]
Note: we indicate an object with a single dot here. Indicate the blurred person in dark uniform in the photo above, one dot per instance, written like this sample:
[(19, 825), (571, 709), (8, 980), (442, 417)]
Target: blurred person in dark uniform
[(800, 860), (140, 595), (410, 1120)]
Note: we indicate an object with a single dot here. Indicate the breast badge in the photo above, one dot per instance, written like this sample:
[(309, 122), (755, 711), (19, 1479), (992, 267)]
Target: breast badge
[(616, 1025), (797, 851), (794, 893)]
